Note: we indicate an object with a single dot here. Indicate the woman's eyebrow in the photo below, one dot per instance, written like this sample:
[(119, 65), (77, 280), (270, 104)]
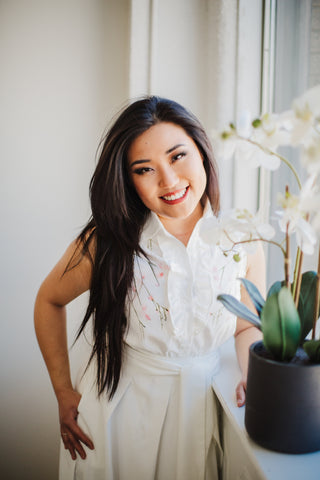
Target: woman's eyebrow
[(173, 148), (138, 161)]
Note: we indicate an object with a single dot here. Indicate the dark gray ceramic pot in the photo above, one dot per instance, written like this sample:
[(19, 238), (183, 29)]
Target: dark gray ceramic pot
[(283, 402)]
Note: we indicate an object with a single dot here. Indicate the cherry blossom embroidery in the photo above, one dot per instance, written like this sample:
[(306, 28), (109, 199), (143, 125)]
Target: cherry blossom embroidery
[(161, 310)]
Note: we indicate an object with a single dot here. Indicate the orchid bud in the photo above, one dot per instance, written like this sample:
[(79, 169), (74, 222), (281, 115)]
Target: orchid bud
[(236, 257)]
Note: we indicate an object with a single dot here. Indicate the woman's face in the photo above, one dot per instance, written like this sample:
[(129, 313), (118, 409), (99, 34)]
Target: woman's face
[(167, 171)]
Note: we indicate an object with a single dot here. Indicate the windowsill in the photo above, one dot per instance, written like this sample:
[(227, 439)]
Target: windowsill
[(272, 465)]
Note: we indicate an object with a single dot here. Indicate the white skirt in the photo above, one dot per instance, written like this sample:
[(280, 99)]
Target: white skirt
[(161, 423)]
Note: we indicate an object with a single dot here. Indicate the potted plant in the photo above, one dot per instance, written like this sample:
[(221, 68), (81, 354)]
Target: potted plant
[(283, 388)]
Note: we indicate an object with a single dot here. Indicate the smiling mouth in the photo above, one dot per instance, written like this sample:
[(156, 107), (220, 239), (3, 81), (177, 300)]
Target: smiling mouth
[(176, 197)]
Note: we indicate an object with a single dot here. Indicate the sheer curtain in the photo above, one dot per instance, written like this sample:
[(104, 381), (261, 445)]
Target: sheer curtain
[(296, 28), (235, 36)]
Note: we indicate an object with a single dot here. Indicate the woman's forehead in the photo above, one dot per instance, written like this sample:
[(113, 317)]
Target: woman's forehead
[(160, 137)]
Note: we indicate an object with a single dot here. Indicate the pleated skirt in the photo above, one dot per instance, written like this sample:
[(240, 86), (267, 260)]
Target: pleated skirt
[(161, 424)]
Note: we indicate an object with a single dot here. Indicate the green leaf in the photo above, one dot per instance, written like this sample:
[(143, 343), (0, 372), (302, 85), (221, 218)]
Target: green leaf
[(290, 320), (306, 304), (271, 326), (312, 349), (275, 288), (239, 309), (255, 295), (280, 325)]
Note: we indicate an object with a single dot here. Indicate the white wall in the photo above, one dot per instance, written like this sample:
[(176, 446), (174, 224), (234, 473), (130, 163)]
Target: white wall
[(60, 82), (169, 51)]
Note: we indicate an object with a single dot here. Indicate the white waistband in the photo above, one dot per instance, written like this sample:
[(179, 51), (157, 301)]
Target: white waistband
[(153, 364)]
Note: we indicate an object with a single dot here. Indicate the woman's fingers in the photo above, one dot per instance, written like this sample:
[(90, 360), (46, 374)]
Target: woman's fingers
[(79, 435), (73, 444), (241, 393), (72, 435)]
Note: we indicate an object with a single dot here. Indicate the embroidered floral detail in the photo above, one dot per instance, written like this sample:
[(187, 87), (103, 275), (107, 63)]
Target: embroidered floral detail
[(216, 315), (161, 310), (141, 325)]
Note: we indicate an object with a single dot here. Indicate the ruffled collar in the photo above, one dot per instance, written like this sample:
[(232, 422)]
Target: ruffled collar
[(154, 228)]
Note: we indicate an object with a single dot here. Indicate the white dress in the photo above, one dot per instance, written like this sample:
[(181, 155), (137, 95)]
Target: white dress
[(161, 423)]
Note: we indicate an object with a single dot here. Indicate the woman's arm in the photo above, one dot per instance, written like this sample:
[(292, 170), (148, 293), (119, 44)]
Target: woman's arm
[(246, 333), (61, 286)]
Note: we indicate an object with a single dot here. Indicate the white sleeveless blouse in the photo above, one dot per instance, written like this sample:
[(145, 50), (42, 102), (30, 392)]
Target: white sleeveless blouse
[(173, 309)]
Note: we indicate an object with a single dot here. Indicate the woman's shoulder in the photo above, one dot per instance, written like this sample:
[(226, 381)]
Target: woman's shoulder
[(72, 274)]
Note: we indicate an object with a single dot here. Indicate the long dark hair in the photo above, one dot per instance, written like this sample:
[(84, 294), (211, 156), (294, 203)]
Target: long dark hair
[(118, 216)]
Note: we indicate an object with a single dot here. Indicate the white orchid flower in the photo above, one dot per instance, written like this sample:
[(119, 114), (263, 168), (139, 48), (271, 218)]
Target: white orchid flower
[(305, 233), (252, 228), (306, 236), (304, 119), (309, 198), (248, 144), (244, 124), (221, 231), (255, 143), (294, 214), (236, 226), (308, 102), (310, 158), (271, 132), (298, 126), (224, 144), (255, 156)]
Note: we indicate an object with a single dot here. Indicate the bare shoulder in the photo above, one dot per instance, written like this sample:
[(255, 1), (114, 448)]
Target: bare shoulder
[(71, 276)]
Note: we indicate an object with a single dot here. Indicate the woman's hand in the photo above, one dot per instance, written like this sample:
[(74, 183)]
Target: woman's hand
[(71, 433), (241, 393)]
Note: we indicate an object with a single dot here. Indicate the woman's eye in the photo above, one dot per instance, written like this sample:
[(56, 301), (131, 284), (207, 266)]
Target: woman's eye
[(142, 170), (178, 156)]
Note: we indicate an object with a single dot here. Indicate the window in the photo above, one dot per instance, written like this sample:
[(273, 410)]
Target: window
[(291, 65)]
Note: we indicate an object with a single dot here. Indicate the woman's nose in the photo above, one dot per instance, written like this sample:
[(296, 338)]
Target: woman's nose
[(168, 177)]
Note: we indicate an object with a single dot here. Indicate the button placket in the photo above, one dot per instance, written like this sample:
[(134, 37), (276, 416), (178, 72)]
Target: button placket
[(180, 281)]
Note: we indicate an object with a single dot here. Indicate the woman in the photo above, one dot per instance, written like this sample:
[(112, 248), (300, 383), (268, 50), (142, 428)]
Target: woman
[(144, 407)]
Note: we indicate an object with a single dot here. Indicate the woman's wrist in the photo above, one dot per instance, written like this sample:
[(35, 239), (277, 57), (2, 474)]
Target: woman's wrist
[(62, 391)]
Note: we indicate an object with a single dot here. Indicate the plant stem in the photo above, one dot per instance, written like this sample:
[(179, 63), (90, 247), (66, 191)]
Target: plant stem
[(297, 277), (317, 300), (287, 259), (289, 164), (260, 239), (270, 152), (295, 273)]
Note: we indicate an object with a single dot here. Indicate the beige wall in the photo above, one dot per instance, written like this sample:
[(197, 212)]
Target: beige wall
[(63, 74)]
